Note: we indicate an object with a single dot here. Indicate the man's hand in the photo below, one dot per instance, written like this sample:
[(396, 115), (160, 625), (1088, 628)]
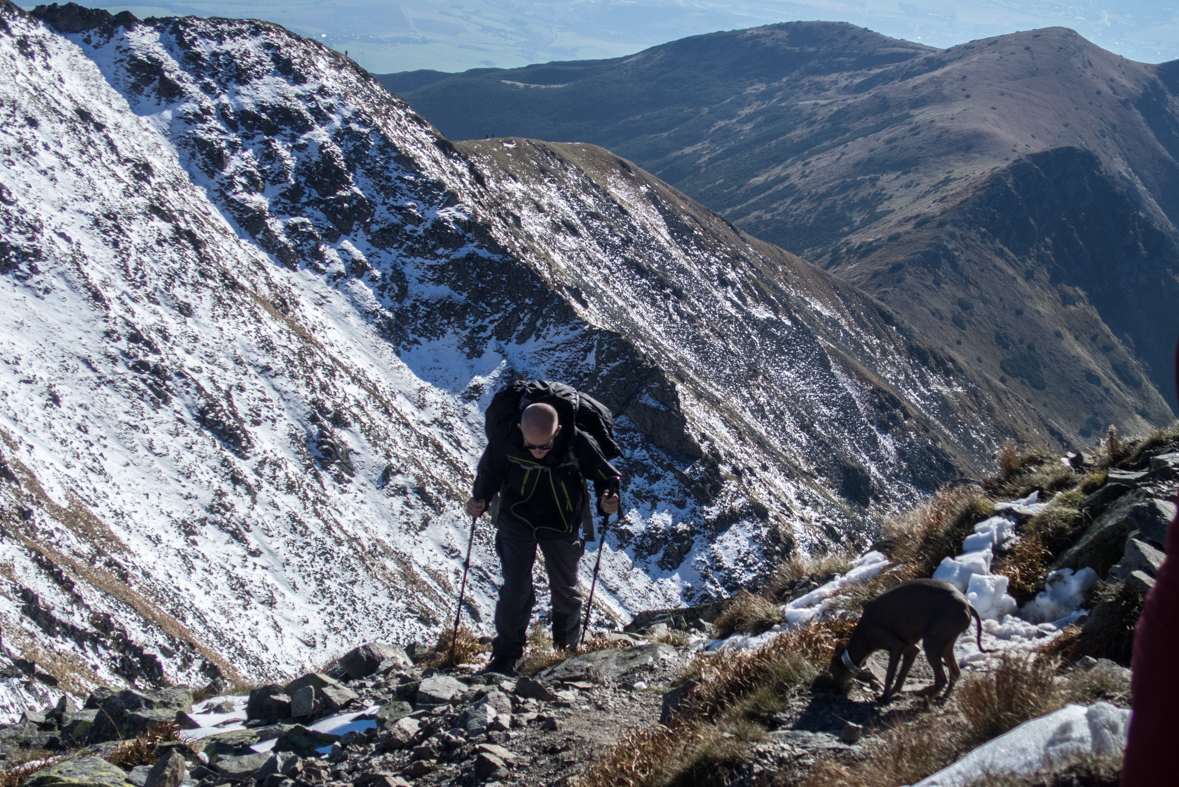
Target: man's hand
[(476, 508), (609, 504)]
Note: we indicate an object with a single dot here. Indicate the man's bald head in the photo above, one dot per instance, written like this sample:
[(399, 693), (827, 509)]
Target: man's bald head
[(539, 422)]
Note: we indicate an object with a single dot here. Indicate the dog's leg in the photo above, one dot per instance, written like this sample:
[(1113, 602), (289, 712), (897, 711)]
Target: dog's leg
[(907, 655), (935, 652), (952, 665)]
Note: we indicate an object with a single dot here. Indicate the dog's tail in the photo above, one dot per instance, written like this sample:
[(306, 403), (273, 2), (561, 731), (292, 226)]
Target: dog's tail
[(978, 630)]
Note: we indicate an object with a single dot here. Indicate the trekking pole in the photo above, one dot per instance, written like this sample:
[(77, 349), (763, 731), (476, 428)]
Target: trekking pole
[(589, 607), (458, 613)]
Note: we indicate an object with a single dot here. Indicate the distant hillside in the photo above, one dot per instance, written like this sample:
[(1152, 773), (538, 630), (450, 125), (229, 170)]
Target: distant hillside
[(1015, 198)]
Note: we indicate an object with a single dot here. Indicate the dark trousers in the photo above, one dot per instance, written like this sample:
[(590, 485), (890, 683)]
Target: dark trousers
[(516, 547)]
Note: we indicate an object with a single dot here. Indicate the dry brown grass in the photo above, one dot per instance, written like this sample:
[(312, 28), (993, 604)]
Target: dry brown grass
[(1114, 450), (24, 763), (802, 566), (747, 614), (466, 648), (142, 750), (710, 739), (1041, 540), (1008, 460), (987, 705), (539, 660), (1092, 482), (1155, 439), (1016, 688), (1104, 682), (922, 536)]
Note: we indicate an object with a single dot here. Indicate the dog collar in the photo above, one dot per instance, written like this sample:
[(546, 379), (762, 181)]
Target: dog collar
[(847, 662)]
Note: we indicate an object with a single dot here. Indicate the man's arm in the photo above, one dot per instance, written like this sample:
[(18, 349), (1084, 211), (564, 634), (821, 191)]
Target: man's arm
[(489, 478), (597, 469)]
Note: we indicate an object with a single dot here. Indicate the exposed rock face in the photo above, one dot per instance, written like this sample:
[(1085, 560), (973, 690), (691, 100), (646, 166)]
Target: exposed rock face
[(254, 306)]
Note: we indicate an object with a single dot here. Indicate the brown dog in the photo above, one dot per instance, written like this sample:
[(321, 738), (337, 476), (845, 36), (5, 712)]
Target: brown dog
[(922, 610)]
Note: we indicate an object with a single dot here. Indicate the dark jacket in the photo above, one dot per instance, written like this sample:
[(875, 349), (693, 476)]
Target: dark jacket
[(543, 494)]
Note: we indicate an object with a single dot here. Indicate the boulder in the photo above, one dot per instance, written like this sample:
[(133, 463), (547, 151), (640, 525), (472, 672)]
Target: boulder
[(487, 765), (1165, 465), (605, 665), (266, 701), (239, 741), (1103, 542), (391, 711), (1140, 581), (304, 742), (683, 619), (674, 700), (169, 771), (124, 714), (317, 680), (1152, 519), (304, 703), (529, 688), (79, 772), (380, 780), (138, 775), (337, 698), (1139, 556), (400, 734), (438, 690), (367, 659), (240, 767), (76, 727)]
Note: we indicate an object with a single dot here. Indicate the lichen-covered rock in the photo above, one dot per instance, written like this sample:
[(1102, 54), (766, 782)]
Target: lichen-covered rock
[(80, 772), (366, 659), (607, 664)]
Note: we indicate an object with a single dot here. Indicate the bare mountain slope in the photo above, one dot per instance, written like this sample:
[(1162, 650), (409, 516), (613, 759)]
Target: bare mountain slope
[(253, 306), (857, 151)]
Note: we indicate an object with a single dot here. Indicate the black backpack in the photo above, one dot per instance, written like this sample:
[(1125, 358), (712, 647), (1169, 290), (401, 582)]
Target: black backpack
[(572, 406)]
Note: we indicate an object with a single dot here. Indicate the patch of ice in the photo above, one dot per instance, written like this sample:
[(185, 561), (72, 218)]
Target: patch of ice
[(958, 570), (994, 533), (988, 594)]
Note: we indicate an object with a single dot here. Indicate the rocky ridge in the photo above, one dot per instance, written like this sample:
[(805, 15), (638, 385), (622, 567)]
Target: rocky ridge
[(253, 306), (1009, 191)]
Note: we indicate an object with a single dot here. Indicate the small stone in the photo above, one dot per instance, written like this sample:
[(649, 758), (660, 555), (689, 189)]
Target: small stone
[(501, 723), (419, 768), (304, 703), (380, 780), (138, 775), (487, 765), (438, 690), (337, 754), (549, 724), (1140, 581), (529, 688), (337, 698), (851, 733), (495, 750)]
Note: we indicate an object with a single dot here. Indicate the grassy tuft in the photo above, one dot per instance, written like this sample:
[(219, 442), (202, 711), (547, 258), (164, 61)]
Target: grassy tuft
[(24, 763), (904, 753), (540, 660), (1008, 460), (1155, 439), (142, 749), (1105, 682), (709, 742), (1042, 539), (1016, 688), (747, 614), (466, 648), (802, 566), (922, 536)]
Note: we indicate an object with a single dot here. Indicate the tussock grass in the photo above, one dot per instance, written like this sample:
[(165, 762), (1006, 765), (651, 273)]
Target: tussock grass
[(142, 749), (1041, 540), (1016, 688), (708, 742), (24, 763), (747, 614), (673, 637), (1104, 682), (985, 706), (923, 536), (1156, 439), (1092, 482), (1008, 460), (466, 648), (1109, 632), (540, 660), (802, 566)]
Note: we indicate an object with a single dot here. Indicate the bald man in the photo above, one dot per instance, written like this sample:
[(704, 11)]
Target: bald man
[(536, 465)]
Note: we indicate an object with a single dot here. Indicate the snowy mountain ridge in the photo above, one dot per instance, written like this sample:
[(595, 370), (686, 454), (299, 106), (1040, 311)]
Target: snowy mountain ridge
[(253, 307)]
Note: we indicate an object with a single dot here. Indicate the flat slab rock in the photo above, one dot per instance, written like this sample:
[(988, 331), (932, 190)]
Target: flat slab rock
[(602, 665), (438, 690), (80, 772)]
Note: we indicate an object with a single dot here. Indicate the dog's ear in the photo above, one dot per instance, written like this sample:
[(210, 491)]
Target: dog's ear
[(840, 646)]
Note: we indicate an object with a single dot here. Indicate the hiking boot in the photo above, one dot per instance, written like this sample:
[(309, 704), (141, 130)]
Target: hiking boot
[(502, 665)]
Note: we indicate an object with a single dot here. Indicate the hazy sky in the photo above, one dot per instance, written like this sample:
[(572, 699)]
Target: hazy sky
[(453, 35)]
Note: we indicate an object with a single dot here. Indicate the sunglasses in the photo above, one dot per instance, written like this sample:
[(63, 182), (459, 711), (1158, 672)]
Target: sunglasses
[(546, 447)]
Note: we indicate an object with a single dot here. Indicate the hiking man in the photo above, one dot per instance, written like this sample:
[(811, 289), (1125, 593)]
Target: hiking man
[(536, 464)]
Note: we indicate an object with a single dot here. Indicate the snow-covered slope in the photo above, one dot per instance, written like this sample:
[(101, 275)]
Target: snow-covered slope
[(253, 306)]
